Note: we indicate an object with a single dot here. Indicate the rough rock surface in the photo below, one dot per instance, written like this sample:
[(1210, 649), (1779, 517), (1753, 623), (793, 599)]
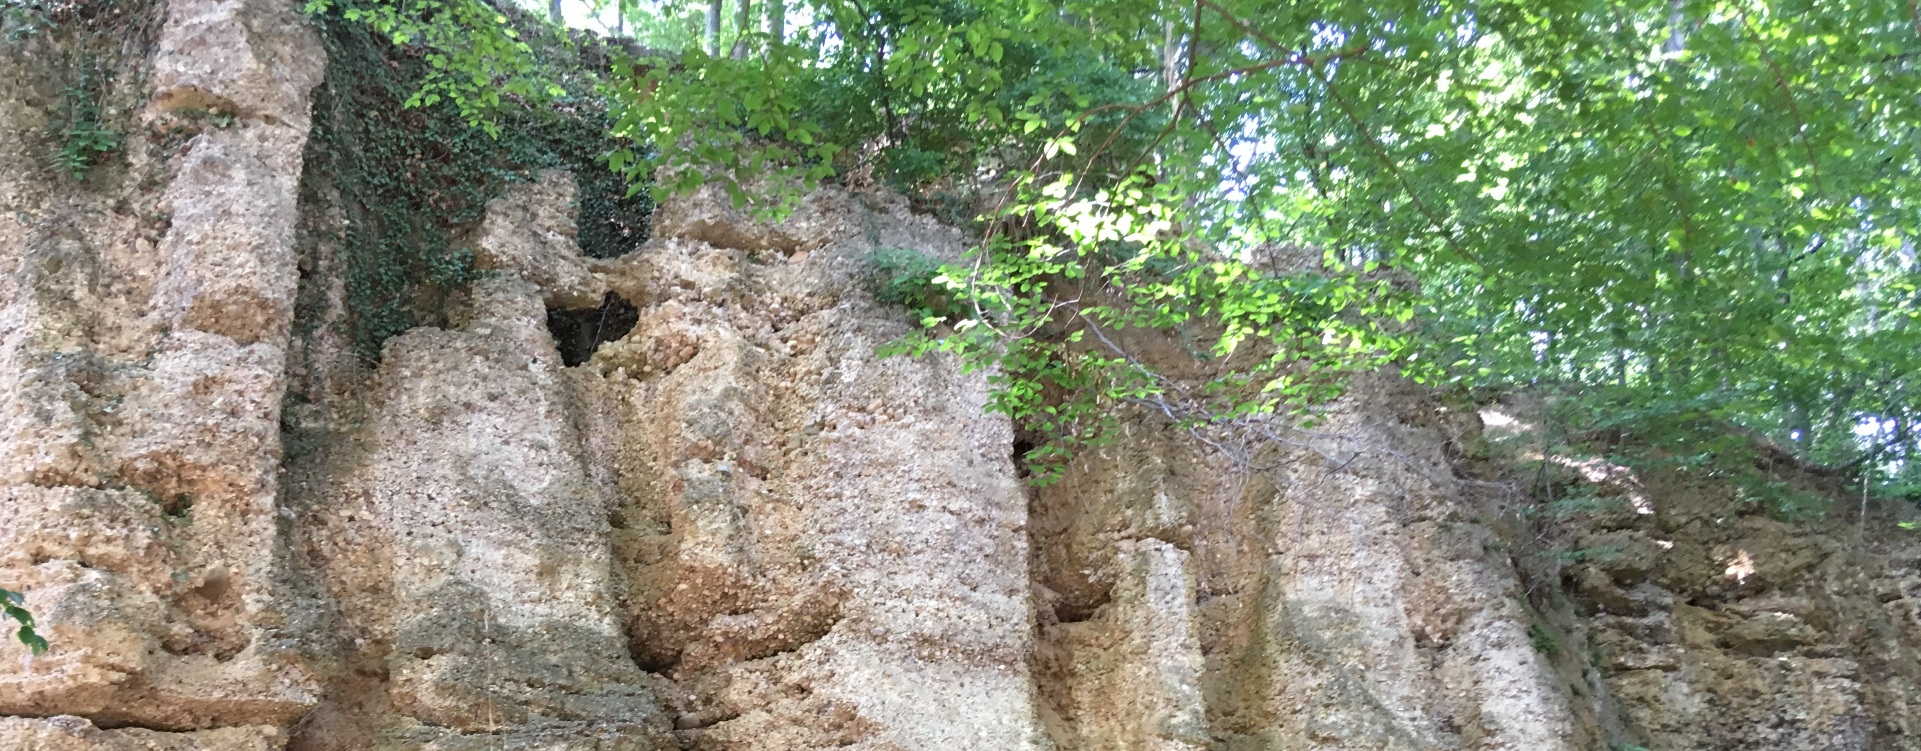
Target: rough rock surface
[(503, 611), (823, 546), (529, 233), (1332, 593), (708, 216), (1715, 624), (69, 733), (736, 527), (144, 318)]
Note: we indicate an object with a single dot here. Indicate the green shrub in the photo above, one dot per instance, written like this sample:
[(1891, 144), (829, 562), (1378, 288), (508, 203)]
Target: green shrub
[(910, 279), (1543, 640)]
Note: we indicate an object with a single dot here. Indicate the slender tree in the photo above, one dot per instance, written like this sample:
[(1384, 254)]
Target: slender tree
[(713, 27), (743, 20)]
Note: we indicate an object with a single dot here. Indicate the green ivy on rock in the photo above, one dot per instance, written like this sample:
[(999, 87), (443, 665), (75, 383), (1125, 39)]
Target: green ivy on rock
[(411, 175)]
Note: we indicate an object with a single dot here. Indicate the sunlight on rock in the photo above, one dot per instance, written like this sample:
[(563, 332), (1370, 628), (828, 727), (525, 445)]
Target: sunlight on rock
[(1503, 423), (1602, 472), (1741, 567)]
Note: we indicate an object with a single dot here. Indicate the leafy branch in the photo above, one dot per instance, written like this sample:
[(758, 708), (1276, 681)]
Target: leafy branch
[(13, 605)]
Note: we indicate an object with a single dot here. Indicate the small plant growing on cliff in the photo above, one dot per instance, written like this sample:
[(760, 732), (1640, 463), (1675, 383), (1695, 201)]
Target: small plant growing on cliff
[(86, 138), (910, 279), (13, 604), (21, 19), (1543, 640), (84, 143)]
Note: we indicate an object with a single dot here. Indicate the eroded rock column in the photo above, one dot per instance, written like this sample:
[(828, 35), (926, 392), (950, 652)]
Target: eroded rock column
[(1329, 590), (141, 371), (824, 547), (465, 541)]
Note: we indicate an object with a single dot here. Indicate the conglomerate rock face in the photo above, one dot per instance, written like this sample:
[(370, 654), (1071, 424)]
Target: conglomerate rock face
[(737, 527), (1712, 625), (144, 319), (1331, 590)]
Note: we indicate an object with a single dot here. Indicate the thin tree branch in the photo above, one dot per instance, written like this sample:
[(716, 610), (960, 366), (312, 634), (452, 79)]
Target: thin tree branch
[(1794, 107), (1380, 152)]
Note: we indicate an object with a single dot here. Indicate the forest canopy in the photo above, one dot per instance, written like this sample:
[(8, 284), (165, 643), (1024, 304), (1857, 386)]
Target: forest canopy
[(1675, 213)]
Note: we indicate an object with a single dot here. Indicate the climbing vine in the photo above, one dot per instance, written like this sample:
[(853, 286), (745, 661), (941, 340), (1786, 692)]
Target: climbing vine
[(13, 606), (413, 173)]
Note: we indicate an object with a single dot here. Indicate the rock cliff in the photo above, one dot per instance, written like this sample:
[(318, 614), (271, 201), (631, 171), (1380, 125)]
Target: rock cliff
[(676, 500)]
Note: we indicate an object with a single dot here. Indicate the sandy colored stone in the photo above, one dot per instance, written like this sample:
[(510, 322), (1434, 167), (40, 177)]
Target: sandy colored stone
[(1714, 624), (257, 59), (529, 231), (739, 528), (143, 324), (823, 546), (67, 733), (1330, 609), (230, 242), (504, 603), (709, 216), (471, 552), (1130, 676)]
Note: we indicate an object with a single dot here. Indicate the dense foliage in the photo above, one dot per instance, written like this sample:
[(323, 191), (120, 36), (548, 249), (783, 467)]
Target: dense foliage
[(1679, 211)]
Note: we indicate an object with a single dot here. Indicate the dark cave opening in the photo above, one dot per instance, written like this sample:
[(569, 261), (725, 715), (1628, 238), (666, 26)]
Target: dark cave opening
[(1023, 445), (579, 332)]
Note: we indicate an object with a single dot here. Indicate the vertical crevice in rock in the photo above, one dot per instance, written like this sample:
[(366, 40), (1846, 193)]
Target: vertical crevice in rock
[(503, 612), (1120, 662), (465, 534), (810, 545)]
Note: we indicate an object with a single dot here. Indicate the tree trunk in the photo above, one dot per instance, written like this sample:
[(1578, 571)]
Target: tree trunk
[(1677, 38), (776, 22), (1170, 56), (553, 12), (713, 27), (743, 20)]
